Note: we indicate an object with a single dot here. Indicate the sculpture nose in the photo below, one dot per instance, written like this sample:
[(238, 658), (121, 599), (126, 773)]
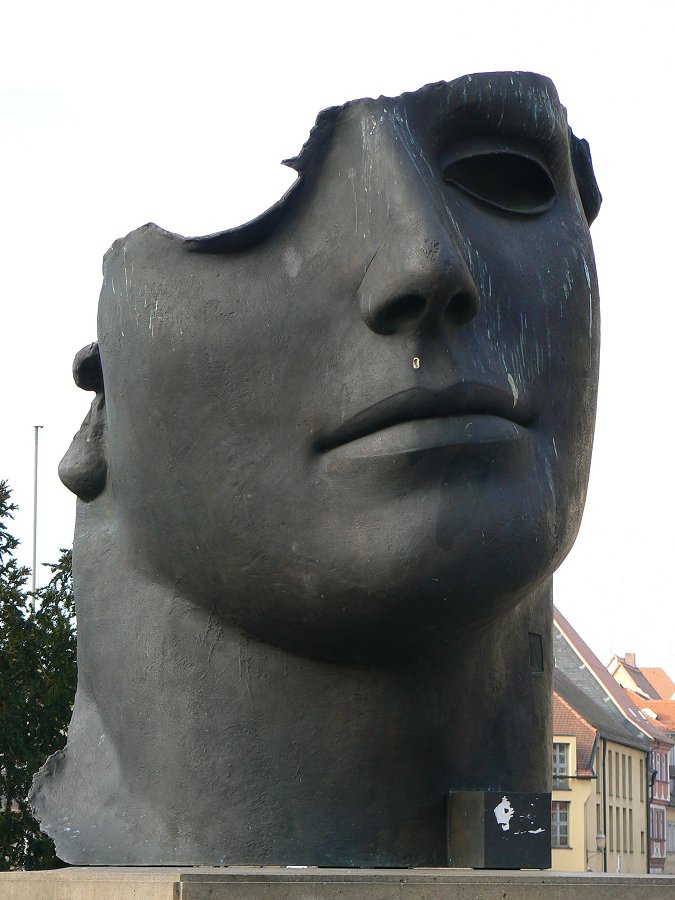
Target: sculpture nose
[(419, 278)]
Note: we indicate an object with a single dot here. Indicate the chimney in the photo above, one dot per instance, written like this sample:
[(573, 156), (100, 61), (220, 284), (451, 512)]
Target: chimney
[(629, 659)]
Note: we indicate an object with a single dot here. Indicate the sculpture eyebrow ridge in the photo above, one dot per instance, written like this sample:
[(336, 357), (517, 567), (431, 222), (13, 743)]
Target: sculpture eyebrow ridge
[(542, 122)]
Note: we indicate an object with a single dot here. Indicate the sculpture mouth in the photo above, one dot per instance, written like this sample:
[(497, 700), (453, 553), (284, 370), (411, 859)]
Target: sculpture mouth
[(421, 419)]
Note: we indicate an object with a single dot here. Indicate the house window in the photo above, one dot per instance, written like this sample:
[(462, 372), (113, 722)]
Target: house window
[(625, 830), (610, 780), (671, 838), (610, 819), (618, 830), (561, 767), (616, 771), (658, 819), (630, 777), (598, 819), (630, 827), (560, 823), (623, 775), (656, 765), (642, 842), (656, 775), (642, 782)]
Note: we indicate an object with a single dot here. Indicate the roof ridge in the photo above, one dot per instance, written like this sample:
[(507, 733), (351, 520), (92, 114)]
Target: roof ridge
[(616, 692)]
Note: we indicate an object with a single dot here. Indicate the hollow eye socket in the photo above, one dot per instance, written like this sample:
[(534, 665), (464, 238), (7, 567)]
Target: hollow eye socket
[(507, 181)]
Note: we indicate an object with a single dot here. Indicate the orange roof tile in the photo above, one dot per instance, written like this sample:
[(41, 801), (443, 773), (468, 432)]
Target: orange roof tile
[(661, 681), (663, 709), (567, 721)]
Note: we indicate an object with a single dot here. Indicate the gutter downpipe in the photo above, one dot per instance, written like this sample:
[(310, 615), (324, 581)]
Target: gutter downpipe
[(648, 807), (604, 801)]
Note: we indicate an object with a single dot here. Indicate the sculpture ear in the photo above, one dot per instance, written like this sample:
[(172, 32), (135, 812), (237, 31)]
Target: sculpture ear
[(84, 468), (591, 198)]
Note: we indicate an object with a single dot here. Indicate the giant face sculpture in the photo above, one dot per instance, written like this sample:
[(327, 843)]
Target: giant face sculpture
[(364, 421), (355, 430)]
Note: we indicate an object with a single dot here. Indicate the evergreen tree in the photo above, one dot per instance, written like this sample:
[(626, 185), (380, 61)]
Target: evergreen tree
[(37, 686)]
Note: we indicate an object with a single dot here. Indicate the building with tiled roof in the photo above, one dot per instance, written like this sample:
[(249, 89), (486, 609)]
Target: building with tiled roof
[(606, 758), (624, 670), (648, 681), (662, 712), (587, 675), (573, 746), (661, 681), (653, 691)]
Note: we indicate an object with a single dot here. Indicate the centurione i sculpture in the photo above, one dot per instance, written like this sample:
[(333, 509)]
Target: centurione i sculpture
[(334, 458)]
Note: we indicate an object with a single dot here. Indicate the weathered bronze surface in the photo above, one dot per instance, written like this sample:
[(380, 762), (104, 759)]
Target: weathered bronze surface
[(334, 458)]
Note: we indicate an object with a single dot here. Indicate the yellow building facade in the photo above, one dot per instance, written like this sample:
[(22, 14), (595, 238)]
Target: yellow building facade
[(621, 803), (599, 819), (569, 802), (623, 739)]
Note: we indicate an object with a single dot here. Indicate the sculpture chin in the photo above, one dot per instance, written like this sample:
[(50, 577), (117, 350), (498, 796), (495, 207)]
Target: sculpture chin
[(399, 618), (382, 639)]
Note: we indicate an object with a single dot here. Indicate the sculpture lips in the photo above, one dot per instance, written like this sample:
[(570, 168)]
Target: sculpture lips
[(465, 399)]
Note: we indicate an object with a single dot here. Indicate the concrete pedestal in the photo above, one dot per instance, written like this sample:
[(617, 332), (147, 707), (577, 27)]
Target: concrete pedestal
[(269, 883)]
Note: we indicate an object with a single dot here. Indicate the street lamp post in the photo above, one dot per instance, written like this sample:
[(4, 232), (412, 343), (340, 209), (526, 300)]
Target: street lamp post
[(35, 507), (601, 844)]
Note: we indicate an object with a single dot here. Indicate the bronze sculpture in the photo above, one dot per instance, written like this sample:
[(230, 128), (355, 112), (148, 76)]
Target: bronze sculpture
[(334, 458)]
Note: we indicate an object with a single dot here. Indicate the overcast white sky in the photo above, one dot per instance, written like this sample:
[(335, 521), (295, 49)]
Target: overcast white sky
[(115, 114)]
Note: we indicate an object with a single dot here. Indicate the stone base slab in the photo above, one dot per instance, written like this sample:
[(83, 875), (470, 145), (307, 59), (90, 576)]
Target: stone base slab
[(270, 883)]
